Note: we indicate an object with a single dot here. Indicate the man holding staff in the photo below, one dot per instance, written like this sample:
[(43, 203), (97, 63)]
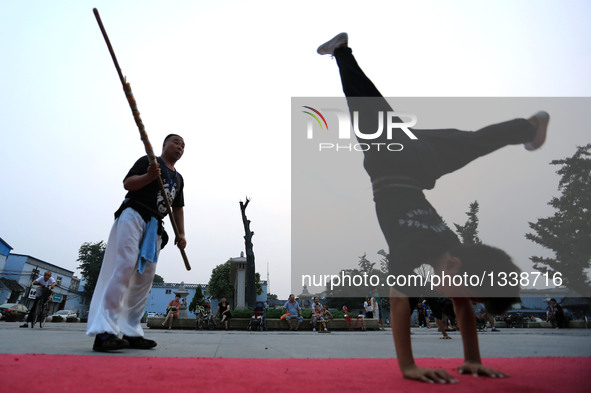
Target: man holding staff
[(136, 238)]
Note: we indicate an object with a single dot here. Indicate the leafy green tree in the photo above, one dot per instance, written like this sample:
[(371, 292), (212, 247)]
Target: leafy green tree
[(198, 299), (219, 282), (258, 284), (384, 262), (344, 292), (90, 256), (469, 231), (567, 233), (365, 265), (158, 279)]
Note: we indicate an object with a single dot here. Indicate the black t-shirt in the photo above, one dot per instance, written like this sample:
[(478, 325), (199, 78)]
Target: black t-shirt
[(413, 229), (222, 308), (150, 195)]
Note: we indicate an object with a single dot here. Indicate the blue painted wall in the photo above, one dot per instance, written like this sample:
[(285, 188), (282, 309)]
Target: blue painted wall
[(13, 268), (4, 247), (161, 294)]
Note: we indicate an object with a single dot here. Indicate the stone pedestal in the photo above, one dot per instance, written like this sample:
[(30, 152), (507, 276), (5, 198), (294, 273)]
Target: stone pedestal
[(182, 292), (184, 321)]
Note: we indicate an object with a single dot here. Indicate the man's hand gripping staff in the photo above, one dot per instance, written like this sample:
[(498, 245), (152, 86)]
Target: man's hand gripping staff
[(144, 137)]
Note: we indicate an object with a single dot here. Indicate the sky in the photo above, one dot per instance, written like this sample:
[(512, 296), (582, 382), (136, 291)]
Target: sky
[(222, 74)]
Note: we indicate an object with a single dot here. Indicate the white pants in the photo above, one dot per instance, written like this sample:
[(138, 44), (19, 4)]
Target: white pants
[(121, 293)]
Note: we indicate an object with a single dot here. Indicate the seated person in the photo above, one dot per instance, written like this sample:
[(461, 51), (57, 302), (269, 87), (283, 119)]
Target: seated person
[(318, 316), (482, 316), (294, 310), (315, 302), (172, 311), (549, 314), (224, 312), (558, 318)]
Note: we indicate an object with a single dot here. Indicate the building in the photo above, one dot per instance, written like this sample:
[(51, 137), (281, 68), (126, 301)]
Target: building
[(538, 299), (18, 271), (78, 300), (17, 276), (162, 293), (4, 252), (238, 280), (10, 290)]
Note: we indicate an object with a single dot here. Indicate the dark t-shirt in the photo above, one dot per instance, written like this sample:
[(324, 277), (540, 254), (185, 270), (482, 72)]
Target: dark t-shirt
[(150, 195), (413, 229), (222, 308), (440, 306)]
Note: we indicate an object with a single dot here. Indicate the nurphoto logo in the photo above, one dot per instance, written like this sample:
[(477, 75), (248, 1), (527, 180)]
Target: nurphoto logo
[(380, 139), (316, 118)]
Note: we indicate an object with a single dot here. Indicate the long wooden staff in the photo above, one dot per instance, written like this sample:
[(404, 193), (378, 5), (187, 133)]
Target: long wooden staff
[(140, 126)]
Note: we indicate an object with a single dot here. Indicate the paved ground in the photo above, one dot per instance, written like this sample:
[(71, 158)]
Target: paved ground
[(69, 338)]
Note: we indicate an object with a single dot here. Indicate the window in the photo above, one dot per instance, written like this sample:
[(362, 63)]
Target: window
[(168, 291)]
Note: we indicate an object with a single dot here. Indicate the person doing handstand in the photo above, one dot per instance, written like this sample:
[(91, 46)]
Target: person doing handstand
[(415, 233)]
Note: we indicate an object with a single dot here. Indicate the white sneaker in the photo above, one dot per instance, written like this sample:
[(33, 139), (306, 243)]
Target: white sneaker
[(329, 46), (542, 118)]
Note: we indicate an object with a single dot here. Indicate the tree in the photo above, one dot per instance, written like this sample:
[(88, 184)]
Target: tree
[(158, 279), (219, 282), (469, 231), (90, 256), (251, 279), (365, 265), (348, 290), (568, 232), (271, 296), (258, 284), (198, 299), (384, 262)]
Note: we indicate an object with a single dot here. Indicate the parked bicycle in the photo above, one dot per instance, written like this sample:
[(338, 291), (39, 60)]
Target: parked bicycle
[(518, 320), (205, 319)]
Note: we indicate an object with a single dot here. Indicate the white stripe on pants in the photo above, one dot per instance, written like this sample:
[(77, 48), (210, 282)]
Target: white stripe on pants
[(121, 292)]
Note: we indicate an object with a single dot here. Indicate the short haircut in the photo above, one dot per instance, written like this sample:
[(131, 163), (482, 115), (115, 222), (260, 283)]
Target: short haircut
[(481, 259), (170, 136)]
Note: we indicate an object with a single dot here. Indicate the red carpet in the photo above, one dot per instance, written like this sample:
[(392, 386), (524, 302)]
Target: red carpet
[(71, 373)]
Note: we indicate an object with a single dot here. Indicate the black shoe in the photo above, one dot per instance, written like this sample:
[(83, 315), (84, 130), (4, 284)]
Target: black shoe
[(108, 342), (24, 325), (140, 342)]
